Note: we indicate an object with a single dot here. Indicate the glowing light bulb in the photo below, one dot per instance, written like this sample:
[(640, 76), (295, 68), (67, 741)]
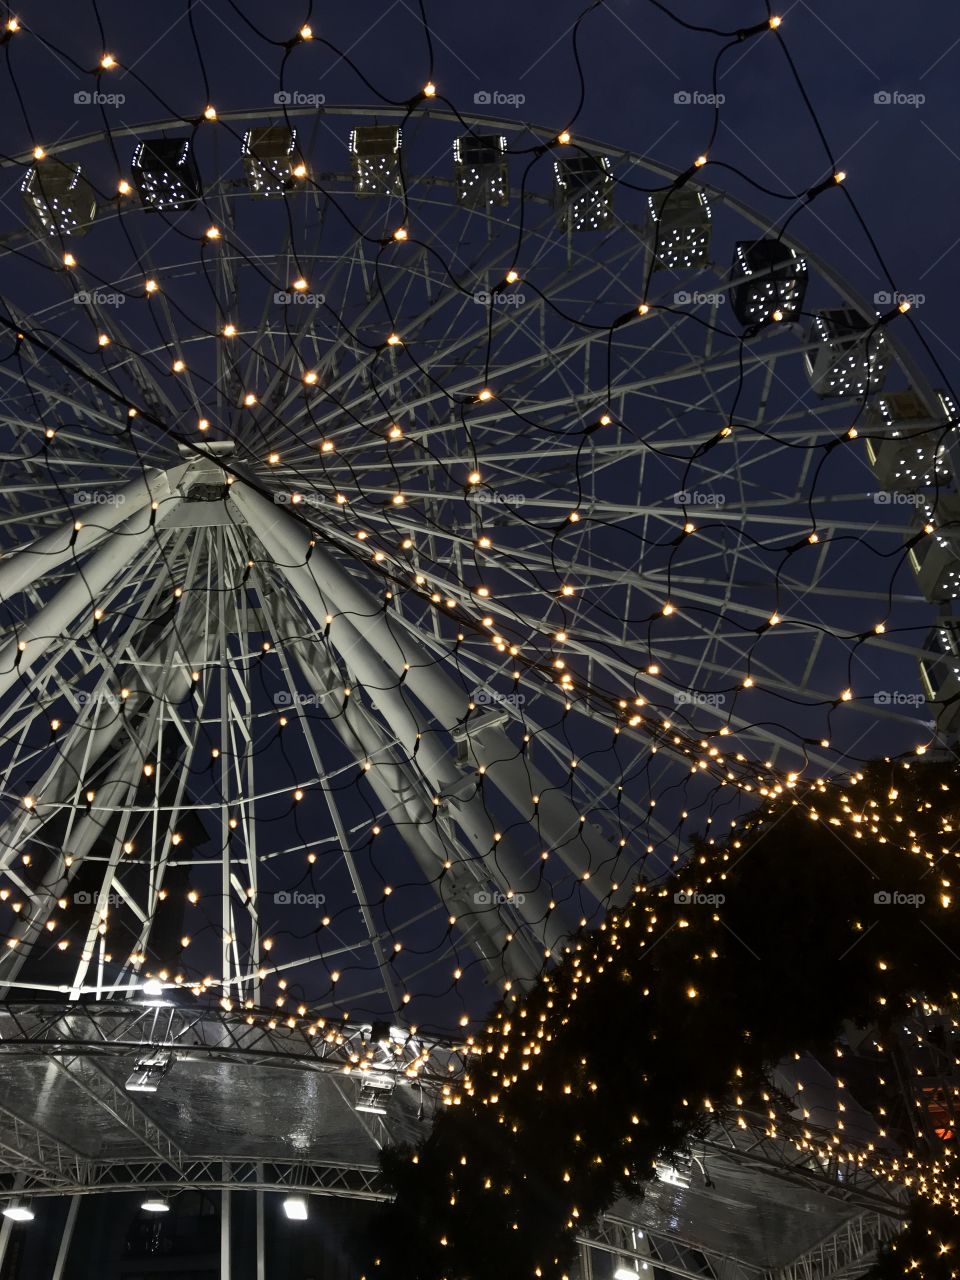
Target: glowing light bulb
[(429, 89), (394, 340), (38, 153), (210, 113), (306, 32), (108, 61), (564, 138), (229, 330), (123, 186), (151, 286), (300, 170), (700, 161), (212, 233), (775, 22)]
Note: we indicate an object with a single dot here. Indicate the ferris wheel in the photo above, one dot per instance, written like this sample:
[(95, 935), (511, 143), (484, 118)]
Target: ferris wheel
[(398, 557)]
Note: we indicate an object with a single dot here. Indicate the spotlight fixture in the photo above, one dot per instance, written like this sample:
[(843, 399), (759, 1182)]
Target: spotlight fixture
[(19, 1213), (149, 1071), (295, 1207), (155, 1205)]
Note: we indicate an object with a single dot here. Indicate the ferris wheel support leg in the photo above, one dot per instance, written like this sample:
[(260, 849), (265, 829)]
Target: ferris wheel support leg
[(396, 788), (280, 535), (580, 845), (79, 593), (505, 863), (24, 567)]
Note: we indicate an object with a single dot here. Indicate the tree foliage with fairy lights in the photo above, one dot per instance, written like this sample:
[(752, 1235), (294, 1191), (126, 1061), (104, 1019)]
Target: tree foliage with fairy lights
[(830, 904)]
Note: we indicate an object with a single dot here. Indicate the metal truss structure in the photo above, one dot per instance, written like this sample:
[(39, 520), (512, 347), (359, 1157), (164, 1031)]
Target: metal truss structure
[(74, 1176), (115, 1028), (846, 1253)]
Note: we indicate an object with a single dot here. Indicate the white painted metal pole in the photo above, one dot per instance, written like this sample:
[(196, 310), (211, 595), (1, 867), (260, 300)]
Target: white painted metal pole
[(65, 1238), (581, 846), (261, 1245), (24, 567), (78, 594), (225, 1226)]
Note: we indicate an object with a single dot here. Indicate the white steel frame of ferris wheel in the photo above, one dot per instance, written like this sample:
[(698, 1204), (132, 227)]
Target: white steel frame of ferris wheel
[(683, 588)]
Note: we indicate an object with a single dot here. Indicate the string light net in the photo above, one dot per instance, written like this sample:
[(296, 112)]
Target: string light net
[(420, 524)]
